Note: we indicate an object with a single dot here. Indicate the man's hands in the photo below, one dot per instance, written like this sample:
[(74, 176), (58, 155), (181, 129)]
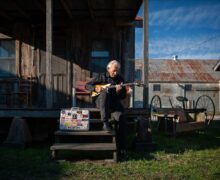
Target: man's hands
[(118, 88), (98, 89)]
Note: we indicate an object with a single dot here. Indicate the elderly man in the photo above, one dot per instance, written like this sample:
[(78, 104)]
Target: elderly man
[(108, 100)]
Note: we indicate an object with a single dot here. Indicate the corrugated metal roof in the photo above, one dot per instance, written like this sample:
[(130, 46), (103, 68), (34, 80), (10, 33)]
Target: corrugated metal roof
[(182, 71)]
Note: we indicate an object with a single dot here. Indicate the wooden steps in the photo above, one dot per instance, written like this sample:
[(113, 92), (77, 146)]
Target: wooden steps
[(95, 139), (95, 121), (85, 141), (84, 146), (83, 133)]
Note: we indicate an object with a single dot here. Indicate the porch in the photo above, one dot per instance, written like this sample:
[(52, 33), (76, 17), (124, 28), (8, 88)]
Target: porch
[(60, 42), (30, 113), (49, 42)]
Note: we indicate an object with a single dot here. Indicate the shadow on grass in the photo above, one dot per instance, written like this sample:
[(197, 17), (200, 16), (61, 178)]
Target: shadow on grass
[(27, 163), (35, 161), (191, 141), (197, 140)]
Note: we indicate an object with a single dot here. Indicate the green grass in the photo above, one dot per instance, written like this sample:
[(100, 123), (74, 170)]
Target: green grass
[(189, 156)]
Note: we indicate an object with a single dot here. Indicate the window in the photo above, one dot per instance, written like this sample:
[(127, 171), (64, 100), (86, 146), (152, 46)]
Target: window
[(99, 57), (7, 58), (188, 87), (156, 87)]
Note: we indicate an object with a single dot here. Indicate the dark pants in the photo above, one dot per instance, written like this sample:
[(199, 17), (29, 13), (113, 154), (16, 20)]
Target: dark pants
[(110, 104)]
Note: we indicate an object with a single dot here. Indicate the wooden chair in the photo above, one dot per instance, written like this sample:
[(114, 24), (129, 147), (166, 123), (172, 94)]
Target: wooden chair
[(4, 94), (23, 96), (7, 87)]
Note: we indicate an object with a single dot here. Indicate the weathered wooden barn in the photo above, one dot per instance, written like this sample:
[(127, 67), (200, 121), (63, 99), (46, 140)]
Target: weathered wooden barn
[(190, 78), (47, 46)]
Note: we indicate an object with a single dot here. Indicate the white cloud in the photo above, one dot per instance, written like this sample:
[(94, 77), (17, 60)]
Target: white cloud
[(201, 47), (186, 47), (191, 16), (201, 56)]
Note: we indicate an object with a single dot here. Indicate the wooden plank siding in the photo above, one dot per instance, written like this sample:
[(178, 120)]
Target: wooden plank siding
[(72, 46)]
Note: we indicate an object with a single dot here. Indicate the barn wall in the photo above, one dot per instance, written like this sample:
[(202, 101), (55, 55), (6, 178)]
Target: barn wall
[(172, 90)]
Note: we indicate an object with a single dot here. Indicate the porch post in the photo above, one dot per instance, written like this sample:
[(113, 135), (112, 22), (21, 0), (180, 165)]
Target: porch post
[(144, 139), (145, 54), (49, 24)]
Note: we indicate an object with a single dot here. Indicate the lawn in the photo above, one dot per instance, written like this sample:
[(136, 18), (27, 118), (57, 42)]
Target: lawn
[(189, 156)]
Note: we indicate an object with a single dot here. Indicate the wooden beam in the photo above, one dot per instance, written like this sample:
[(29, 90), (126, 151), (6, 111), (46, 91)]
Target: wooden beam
[(40, 6), (69, 69), (145, 53), (4, 36), (49, 25), (19, 8), (91, 9), (137, 7), (66, 7), (5, 15), (114, 10), (4, 30), (18, 57)]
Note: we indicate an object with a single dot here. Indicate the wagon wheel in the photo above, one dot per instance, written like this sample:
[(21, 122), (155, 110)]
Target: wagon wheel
[(206, 103), (154, 104)]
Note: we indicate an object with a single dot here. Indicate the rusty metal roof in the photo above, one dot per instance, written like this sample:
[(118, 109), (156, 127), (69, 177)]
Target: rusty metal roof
[(201, 71)]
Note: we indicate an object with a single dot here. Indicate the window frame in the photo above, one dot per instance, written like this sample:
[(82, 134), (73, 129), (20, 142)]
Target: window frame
[(104, 49), (188, 87), (157, 87), (9, 59)]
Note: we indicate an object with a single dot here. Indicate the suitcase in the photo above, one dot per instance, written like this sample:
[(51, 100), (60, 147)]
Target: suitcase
[(75, 119)]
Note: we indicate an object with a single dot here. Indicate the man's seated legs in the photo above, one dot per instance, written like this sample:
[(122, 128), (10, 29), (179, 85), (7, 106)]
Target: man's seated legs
[(120, 129), (103, 104)]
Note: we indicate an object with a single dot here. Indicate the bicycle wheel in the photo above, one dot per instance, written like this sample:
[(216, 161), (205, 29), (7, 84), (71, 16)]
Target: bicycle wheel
[(206, 103), (154, 105)]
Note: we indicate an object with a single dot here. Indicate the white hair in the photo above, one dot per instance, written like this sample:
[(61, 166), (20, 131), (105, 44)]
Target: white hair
[(113, 62)]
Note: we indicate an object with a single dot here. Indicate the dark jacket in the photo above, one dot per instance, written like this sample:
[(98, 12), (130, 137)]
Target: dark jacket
[(104, 78)]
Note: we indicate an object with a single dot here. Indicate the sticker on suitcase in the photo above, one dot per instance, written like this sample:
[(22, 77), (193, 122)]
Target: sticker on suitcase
[(72, 119)]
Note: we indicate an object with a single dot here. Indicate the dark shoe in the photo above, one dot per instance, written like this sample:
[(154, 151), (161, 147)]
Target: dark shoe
[(106, 127)]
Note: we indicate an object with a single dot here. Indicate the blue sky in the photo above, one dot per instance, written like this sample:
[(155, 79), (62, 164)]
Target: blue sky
[(187, 28)]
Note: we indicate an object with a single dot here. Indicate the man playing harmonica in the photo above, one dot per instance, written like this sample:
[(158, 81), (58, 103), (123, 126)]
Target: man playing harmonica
[(108, 100)]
